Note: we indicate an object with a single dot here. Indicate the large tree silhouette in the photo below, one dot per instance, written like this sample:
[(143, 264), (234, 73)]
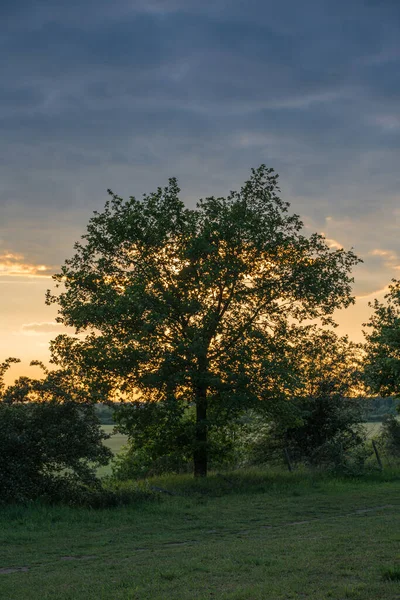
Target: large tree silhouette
[(189, 308)]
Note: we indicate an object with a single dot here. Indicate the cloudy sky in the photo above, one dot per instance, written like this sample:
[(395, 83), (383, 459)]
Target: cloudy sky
[(125, 94)]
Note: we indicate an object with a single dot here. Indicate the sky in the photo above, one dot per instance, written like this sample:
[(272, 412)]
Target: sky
[(125, 94)]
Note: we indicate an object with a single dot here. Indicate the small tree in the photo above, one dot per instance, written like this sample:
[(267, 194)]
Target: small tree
[(382, 361), (50, 441), (389, 436), (188, 307), (328, 401)]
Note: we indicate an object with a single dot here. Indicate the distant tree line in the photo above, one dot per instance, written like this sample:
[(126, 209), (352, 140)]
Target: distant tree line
[(379, 408)]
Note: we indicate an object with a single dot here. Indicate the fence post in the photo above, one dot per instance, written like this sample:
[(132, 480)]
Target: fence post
[(377, 455), (287, 459)]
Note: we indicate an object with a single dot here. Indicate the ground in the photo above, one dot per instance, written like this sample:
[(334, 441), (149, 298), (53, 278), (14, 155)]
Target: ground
[(115, 442), (244, 536)]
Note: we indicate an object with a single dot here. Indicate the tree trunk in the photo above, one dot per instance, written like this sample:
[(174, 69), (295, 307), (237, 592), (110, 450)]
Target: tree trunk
[(200, 454)]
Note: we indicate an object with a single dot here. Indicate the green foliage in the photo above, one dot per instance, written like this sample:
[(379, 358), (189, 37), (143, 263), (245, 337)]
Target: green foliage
[(133, 464), (389, 438), (160, 440), (380, 408), (328, 431), (195, 307), (331, 428), (50, 444), (382, 362), (391, 574)]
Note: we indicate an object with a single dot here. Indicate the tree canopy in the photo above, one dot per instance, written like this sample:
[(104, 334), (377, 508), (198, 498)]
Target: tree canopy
[(328, 400), (382, 364), (195, 309)]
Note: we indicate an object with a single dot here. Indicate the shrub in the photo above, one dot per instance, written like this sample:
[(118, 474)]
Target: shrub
[(160, 440), (331, 427), (140, 463), (328, 433), (48, 449), (328, 428), (389, 438), (50, 443)]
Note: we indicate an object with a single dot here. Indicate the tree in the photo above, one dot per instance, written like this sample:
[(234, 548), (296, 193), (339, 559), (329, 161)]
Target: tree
[(382, 360), (50, 440), (328, 400), (389, 436), (188, 307)]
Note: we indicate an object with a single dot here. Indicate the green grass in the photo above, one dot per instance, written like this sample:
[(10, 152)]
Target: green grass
[(392, 574), (117, 440), (245, 536), (373, 429), (115, 443)]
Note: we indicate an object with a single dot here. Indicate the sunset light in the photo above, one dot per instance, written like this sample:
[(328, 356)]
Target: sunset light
[(200, 300)]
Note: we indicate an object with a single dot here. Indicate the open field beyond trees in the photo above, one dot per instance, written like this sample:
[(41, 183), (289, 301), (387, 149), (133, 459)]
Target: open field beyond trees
[(118, 440), (115, 443), (244, 536)]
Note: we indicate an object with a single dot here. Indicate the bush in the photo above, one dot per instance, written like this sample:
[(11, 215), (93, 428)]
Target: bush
[(328, 434), (331, 427), (48, 450), (327, 431), (140, 463), (389, 439), (50, 443), (160, 440), (135, 462)]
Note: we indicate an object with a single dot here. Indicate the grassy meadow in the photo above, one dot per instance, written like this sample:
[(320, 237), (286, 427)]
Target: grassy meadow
[(115, 443), (373, 428), (117, 440), (245, 536)]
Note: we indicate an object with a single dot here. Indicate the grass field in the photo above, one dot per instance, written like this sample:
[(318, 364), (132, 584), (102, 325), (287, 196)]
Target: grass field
[(115, 442), (118, 440), (249, 536), (373, 429)]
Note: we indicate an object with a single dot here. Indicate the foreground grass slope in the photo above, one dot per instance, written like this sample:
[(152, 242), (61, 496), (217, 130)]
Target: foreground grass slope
[(245, 537)]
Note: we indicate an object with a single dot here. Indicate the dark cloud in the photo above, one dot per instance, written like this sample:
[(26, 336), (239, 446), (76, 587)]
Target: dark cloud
[(125, 94)]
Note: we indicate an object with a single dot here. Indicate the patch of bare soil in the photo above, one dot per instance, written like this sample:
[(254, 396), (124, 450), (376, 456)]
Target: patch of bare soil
[(7, 570), (81, 557)]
